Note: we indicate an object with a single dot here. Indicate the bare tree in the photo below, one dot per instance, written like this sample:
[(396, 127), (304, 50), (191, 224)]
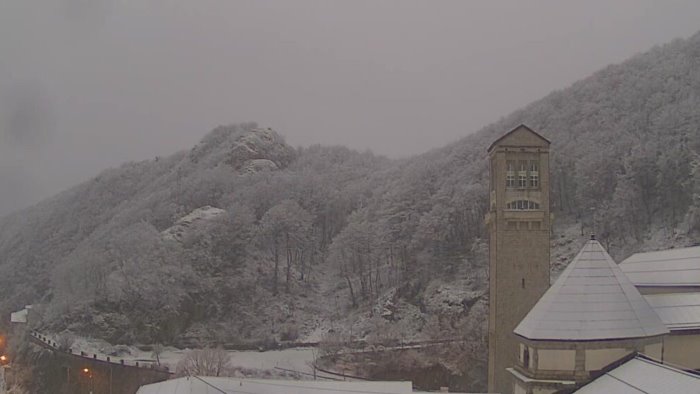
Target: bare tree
[(286, 228), (65, 341), (157, 351), (204, 362)]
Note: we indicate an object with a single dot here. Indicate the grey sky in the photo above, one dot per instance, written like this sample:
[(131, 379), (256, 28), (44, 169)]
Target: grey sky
[(89, 84)]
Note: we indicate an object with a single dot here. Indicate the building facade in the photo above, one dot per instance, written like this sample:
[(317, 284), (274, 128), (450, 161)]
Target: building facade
[(598, 314), (519, 230), (590, 318)]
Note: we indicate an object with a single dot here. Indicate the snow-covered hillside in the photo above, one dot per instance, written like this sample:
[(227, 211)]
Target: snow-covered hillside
[(332, 244)]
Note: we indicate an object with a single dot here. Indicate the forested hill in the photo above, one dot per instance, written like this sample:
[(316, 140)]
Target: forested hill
[(626, 144), (244, 238)]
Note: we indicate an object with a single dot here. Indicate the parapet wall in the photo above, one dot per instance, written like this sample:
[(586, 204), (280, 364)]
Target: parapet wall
[(79, 373)]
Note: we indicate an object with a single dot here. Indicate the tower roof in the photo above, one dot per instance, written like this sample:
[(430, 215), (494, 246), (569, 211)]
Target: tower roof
[(520, 129), (591, 300)]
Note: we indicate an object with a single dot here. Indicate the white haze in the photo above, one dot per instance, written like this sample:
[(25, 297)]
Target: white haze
[(89, 84)]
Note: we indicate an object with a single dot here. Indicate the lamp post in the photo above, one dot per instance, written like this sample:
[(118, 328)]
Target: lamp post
[(88, 373)]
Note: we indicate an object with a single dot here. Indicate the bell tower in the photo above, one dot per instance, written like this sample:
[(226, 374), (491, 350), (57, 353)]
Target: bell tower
[(519, 229)]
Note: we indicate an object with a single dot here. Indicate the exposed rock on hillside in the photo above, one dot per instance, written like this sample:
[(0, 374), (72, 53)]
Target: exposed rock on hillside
[(260, 149), (258, 165), (179, 229)]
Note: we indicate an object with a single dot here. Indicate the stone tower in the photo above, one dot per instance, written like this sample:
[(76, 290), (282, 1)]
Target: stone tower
[(519, 226)]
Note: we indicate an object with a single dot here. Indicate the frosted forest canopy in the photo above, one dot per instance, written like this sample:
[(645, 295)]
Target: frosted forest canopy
[(304, 226)]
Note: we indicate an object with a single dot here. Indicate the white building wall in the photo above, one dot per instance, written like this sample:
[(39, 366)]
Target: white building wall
[(654, 350), (597, 359), (543, 391), (683, 350), (556, 360), (518, 389)]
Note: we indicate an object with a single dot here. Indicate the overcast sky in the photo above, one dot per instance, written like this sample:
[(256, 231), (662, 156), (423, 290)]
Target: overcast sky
[(89, 84)]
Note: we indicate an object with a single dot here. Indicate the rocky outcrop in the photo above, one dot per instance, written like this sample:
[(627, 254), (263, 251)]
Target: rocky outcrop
[(260, 150), (180, 228), (258, 165)]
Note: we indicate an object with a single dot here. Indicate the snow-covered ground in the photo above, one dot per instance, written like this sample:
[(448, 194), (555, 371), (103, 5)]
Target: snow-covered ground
[(299, 359), (296, 359)]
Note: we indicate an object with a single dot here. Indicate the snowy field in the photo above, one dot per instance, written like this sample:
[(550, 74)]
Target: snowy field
[(296, 359)]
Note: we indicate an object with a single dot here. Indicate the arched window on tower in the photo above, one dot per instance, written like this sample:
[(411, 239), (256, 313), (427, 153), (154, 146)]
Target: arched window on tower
[(522, 205)]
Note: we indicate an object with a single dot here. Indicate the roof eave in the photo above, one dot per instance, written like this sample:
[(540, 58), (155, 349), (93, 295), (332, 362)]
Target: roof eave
[(602, 339), (494, 143)]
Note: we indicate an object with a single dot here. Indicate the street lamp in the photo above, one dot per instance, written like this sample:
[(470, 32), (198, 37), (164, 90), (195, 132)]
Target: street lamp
[(88, 373)]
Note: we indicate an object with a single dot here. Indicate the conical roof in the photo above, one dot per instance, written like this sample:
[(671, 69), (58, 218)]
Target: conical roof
[(591, 300)]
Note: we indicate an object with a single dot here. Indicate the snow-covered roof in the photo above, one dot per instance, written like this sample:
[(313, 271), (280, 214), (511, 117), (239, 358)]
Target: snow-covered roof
[(212, 385), (20, 316), (640, 375), (672, 267), (591, 300), (679, 311)]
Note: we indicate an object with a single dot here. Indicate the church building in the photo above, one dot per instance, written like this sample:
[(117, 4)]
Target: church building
[(600, 321), (590, 318)]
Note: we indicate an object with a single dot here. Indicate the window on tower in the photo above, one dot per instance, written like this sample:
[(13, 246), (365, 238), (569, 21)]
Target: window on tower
[(522, 174), (510, 173), (534, 174), (522, 205), (526, 358)]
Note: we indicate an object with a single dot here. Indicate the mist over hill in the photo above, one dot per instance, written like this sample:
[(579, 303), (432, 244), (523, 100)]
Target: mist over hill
[(246, 239)]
